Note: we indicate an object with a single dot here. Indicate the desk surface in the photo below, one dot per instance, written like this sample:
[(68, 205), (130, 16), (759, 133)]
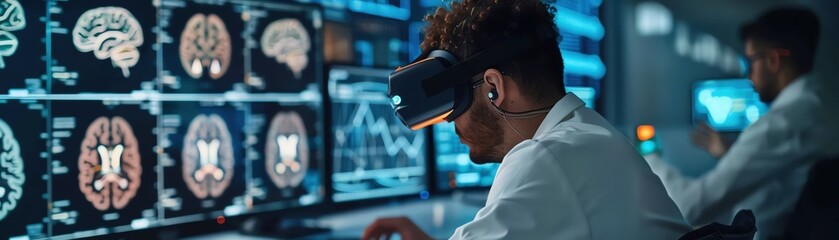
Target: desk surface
[(439, 217)]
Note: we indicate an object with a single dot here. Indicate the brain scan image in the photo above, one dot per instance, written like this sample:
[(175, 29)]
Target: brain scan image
[(109, 163), (287, 150), (11, 171), (110, 32), (11, 19), (207, 156), (287, 41), (205, 45)]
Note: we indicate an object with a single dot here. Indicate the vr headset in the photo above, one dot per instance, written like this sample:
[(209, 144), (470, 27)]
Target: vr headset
[(437, 87)]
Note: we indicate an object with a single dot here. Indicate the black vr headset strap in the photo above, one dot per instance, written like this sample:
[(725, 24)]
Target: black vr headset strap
[(497, 53)]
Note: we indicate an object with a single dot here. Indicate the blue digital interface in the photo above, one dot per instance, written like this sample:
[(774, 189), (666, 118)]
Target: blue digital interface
[(375, 155), (727, 104), (587, 94)]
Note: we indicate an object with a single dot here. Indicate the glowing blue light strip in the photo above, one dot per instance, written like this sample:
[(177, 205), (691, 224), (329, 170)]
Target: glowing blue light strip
[(304, 97), (577, 23), (402, 12), (583, 64)]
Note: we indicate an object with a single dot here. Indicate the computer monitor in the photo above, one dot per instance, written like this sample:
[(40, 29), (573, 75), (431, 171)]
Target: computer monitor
[(115, 132), (374, 154), (455, 170), (727, 105)]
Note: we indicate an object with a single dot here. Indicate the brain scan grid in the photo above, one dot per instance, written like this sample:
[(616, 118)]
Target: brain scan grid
[(117, 130)]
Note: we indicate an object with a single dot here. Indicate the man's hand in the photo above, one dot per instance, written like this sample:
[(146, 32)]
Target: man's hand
[(385, 227), (710, 140)]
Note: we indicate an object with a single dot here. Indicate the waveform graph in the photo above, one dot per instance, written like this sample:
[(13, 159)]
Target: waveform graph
[(374, 154), (202, 158), (202, 47), (21, 25), (23, 164), (103, 47), (286, 55), (285, 145), (103, 165)]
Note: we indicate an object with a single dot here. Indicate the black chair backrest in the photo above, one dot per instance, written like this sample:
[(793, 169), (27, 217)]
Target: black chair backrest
[(741, 228), (816, 216)]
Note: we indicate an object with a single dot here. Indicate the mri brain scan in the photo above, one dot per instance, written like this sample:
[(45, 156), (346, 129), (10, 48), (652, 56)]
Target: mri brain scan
[(287, 150), (207, 156), (110, 32), (205, 44), (11, 171), (11, 19), (109, 164), (287, 41)]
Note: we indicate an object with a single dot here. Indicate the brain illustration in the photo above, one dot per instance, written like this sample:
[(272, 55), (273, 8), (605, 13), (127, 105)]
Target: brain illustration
[(205, 43), (207, 156), (109, 163), (287, 41), (110, 32), (11, 171), (287, 150), (11, 19)]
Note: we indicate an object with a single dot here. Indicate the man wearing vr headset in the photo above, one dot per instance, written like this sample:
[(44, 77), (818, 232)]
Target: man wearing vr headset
[(495, 69), (767, 167)]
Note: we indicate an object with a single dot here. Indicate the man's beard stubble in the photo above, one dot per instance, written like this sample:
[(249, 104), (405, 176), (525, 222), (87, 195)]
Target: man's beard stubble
[(484, 135)]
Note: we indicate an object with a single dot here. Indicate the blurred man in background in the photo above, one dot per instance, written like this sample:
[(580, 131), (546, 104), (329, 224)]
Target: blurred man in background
[(766, 168)]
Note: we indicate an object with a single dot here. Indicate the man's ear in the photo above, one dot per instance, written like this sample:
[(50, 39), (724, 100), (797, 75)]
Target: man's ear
[(495, 80), (773, 62)]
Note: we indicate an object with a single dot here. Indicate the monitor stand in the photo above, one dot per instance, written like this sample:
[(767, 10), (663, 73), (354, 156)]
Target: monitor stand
[(278, 227)]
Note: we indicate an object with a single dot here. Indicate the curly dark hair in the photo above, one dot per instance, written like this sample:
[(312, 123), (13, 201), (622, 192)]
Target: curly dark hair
[(470, 26)]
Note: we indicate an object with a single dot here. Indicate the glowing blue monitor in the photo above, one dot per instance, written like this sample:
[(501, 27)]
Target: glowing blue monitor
[(374, 154), (728, 105), (454, 167)]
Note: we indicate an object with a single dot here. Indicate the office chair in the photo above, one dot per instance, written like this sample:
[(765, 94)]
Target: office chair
[(816, 216), (741, 228)]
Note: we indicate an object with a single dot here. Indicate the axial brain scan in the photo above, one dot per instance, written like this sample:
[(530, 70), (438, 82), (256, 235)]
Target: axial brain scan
[(11, 171), (287, 150), (11, 19), (109, 163), (287, 41), (207, 156), (110, 32), (205, 43)]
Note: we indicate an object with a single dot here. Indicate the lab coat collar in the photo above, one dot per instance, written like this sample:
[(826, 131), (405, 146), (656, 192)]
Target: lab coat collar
[(792, 91), (560, 110)]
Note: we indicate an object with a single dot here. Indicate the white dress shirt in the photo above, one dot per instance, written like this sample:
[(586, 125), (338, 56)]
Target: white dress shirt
[(578, 178), (767, 167)]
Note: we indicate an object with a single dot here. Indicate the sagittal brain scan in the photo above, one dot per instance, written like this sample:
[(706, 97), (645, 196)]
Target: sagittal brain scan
[(110, 32), (11, 171), (207, 156), (11, 19), (287, 41), (109, 163), (287, 150), (205, 44)]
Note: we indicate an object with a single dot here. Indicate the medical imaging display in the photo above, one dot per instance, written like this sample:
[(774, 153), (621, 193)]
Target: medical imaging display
[(21, 26), (103, 47), (454, 167), (728, 105), (203, 159), (375, 155), (286, 149), (23, 164), (202, 47), (102, 165), (286, 56)]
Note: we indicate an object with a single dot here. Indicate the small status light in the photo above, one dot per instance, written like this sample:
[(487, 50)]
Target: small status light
[(220, 220), (424, 195), (645, 132), (648, 147)]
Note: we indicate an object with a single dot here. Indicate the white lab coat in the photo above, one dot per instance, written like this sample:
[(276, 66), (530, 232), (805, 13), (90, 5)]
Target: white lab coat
[(578, 178), (766, 168)]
